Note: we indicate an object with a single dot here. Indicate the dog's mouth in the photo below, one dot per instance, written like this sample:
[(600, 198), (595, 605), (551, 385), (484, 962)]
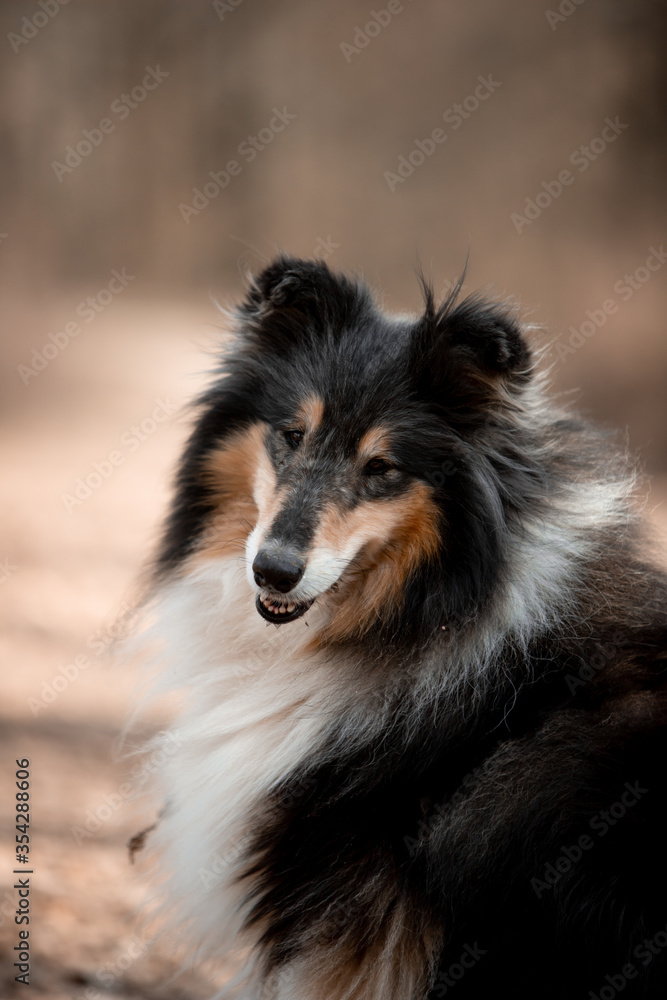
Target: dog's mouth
[(278, 611)]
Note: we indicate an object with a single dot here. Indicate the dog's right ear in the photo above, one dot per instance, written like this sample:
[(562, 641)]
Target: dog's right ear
[(293, 299), (286, 283)]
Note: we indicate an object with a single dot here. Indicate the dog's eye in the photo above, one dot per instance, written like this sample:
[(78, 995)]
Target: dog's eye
[(377, 467), (293, 437)]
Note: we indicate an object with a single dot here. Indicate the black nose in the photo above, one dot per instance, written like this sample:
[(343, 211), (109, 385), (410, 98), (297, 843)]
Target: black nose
[(282, 572)]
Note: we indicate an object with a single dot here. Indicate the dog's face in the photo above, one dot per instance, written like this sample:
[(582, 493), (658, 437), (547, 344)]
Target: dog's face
[(334, 501), (334, 455)]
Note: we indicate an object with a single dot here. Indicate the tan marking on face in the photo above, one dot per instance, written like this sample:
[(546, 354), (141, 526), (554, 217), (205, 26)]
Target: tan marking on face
[(230, 470), (395, 537), (310, 413), (374, 444)]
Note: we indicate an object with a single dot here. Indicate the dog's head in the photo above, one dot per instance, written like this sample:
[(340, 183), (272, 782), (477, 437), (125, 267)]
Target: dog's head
[(348, 456)]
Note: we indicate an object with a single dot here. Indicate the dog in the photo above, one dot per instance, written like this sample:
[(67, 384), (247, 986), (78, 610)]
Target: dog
[(419, 651)]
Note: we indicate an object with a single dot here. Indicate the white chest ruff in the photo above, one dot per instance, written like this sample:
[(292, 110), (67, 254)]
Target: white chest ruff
[(255, 705)]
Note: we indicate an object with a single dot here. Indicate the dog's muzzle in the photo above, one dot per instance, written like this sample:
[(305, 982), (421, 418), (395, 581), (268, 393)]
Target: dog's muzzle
[(277, 572)]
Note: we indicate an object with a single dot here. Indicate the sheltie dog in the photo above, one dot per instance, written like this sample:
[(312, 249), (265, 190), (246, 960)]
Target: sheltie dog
[(420, 742)]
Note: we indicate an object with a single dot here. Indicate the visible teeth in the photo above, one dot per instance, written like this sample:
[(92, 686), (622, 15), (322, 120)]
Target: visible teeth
[(277, 609)]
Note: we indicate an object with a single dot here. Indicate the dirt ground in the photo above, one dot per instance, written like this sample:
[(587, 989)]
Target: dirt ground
[(67, 570), (67, 565)]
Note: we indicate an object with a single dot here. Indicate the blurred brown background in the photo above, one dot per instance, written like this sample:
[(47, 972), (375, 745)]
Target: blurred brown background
[(113, 114)]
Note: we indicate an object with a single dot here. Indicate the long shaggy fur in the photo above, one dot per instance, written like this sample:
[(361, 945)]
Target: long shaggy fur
[(404, 791)]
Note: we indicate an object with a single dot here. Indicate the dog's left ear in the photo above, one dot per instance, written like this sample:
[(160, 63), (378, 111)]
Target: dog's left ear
[(293, 297), (469, 350)]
